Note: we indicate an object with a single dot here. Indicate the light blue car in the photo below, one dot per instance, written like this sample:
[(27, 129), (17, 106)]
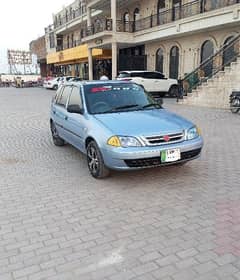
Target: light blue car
[(119, 126)]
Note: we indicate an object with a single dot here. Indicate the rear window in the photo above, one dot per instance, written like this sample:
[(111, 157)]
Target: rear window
[(124, 75)]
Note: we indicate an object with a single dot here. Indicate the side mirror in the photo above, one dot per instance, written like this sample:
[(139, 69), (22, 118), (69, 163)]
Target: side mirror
[(160, 101), (75, 109)]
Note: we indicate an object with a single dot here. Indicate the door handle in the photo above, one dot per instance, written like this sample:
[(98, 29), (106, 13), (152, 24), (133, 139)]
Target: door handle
[(66, 118), (54, 112)]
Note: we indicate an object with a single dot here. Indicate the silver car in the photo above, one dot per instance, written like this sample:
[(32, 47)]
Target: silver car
[(119, 126)]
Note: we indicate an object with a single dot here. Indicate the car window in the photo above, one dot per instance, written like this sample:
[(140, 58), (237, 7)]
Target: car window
[(124, 75), (75, 98), (68, 78), (153, 75), (137, 74), (58, 94), (62, 100)]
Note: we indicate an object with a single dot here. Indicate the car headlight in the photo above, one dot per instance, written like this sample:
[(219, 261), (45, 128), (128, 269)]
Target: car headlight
[(123, 141), (193, 132)]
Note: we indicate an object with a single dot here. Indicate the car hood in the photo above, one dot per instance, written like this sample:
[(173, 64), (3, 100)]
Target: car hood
[(147, 122)]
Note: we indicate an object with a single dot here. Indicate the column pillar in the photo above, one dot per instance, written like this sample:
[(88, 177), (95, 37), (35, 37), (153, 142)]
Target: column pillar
[(114, 15), (114, 60), (89, 17), (90, 65)]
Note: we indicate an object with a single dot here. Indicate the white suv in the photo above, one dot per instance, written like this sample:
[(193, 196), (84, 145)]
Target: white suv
[(154, 82)]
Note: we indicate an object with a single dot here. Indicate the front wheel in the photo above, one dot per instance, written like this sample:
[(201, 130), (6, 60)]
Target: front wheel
[(235, 105), (58, 141), (173, 91), (95, 161)]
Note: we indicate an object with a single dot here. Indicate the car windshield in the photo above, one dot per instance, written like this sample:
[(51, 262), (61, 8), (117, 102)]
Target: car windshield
[(109, 98)]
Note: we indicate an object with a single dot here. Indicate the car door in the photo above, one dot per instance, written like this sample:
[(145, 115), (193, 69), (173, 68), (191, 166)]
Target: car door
[(149, 82), (75, 121), (60, 112), (161, 83)]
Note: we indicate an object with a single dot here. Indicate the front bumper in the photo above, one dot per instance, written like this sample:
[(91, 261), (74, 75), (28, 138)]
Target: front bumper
[(145, 157)]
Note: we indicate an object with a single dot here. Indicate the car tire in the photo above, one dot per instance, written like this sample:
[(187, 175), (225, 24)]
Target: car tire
[(235, 105), (55, 87), (95, 161), (173, 91), (58, 141)]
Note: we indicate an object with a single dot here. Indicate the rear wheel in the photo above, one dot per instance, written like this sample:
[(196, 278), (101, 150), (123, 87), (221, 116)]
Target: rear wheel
[(95, 161), (55, 87), (173, 91), (58, 141), (235, 105)]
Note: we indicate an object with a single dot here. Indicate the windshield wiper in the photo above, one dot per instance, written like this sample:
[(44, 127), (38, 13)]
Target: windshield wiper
[(116, 109), (125, 107), (152, 105)]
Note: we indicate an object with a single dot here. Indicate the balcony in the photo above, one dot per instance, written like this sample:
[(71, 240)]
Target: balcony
[(75, 14), (187, 10), (100, 25)]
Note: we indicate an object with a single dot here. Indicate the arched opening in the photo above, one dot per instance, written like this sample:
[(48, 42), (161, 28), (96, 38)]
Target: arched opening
[(66, 15), (161, 16), (126, 22), (174, 62), (203, 6), (136, 17), (176, 9), (68, 42), (207, 50), (59, 20), (159, 60), (229, 52)]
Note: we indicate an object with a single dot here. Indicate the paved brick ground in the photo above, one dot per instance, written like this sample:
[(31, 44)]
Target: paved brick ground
[(57, 222)]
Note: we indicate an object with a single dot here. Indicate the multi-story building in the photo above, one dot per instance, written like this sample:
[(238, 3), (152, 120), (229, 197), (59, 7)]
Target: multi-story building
[(171, 36), (38, 48), (67, 53)]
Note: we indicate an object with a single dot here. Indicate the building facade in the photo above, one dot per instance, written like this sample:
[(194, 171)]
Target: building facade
[(38, 48), (170, 36), (67, 53)]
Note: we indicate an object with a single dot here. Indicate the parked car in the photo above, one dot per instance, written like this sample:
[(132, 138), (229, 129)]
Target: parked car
[(119, 126), (51, 83), (65, 79), (154, 82)]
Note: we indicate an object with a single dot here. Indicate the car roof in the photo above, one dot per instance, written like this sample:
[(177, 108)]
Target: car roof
[(138, 71), (98, 82)]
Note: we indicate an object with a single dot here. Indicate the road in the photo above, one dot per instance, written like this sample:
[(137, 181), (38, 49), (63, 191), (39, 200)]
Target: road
[(171, 223)]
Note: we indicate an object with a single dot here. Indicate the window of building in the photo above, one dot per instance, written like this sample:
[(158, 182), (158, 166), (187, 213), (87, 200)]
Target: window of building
[(161, 16), (68, 42), (72, 40), (207, 50), (136, 17), (174, 62), (229, 52), (51, 40), (126, 22), (59, 20), (159, 60)]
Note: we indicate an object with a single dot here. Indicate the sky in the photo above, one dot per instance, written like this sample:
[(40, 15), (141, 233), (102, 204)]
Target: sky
[(25, 20)]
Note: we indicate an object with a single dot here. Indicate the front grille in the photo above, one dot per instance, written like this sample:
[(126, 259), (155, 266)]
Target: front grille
[(161, 139), (156, 161)]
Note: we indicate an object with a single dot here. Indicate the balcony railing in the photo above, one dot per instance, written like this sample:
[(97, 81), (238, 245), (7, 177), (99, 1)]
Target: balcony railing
[(99, 25), (69, 17), (187, 10), (69, 45)]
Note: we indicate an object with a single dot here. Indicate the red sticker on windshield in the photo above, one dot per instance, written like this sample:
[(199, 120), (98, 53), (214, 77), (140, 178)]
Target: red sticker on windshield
[(100, 89)]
